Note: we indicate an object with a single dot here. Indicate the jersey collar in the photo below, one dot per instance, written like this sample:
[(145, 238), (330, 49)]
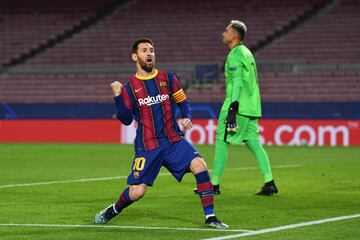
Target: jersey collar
[(147, 77)]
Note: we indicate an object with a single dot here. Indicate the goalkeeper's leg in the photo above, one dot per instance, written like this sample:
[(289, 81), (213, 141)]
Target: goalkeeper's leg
[(221, 152), (262, 159), (220, 161)]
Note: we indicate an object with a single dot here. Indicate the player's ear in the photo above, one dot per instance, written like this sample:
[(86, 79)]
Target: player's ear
[(134, 57)]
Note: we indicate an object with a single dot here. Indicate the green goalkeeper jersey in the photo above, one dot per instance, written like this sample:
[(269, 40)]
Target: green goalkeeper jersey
[(242, 83)]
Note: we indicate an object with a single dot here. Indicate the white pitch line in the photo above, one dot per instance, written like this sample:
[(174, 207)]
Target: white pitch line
[(119, 227), (70, 181), (291, 226), (255, 168), (120, 177), (64, 181)]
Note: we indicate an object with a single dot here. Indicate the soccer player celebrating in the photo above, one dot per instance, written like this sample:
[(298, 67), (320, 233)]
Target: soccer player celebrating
[(150, 97), (238, 120)]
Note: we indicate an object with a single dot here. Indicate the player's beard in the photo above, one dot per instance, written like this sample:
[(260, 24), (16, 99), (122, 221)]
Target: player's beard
[(147, 66)]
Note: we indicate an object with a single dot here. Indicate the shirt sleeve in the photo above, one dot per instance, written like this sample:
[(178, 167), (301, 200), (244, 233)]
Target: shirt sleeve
[(123, 105), (185, 109), (126, 98), (180, 98), (236, 70), (178, 94)]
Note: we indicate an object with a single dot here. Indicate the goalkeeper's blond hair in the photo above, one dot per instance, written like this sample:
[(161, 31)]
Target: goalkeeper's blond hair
[(239, 27)]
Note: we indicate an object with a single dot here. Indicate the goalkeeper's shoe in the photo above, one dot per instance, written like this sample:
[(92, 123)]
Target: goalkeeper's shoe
[(216, 189), (268, 189), (213, 222), (105, 215)]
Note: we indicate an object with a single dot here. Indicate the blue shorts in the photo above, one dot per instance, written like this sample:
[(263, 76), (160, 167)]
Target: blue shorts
[(176, 157)]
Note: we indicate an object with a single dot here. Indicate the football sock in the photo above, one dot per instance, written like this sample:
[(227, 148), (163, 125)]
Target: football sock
[(123, 201), (206, 193), (221, 158), (262, 158)]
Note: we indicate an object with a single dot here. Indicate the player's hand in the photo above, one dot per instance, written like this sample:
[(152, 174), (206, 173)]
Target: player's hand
[(186, 123), (231, 124), (116, 88)]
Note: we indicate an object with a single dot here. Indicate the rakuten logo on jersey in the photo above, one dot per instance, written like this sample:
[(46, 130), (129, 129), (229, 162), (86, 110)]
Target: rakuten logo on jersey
[(151, 100)]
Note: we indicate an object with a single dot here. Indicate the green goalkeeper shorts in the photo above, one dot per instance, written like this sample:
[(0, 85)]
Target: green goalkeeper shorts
[(247, 129)]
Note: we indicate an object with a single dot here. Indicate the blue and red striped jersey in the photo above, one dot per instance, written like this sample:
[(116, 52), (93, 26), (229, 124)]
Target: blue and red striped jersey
[(152, 101)]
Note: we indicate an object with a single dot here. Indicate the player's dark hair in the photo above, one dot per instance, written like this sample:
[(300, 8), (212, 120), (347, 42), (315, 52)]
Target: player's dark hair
[(135, 45), (239, 27)]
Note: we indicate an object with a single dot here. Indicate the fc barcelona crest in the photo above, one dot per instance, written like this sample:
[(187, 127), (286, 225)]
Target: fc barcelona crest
[(163, 84)]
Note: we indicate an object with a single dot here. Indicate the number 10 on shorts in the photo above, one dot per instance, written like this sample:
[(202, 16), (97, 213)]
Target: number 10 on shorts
[(139, 163)]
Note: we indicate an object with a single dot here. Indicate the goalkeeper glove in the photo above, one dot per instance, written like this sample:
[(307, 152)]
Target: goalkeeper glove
[(231, 124)]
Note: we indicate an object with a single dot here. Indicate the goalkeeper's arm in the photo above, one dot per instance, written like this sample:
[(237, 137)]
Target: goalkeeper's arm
[(231, 124)]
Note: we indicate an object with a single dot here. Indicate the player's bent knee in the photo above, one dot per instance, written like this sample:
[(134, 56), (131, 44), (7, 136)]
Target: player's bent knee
[(137, 191), (198, 165)]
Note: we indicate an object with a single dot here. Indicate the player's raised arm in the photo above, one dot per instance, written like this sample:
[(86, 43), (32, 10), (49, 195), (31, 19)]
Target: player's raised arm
[(122, 103)]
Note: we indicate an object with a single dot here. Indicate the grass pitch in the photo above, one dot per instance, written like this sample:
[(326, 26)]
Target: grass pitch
[(74, 181)]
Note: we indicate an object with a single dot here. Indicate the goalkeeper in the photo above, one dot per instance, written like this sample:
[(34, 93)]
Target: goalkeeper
[(238, 120)]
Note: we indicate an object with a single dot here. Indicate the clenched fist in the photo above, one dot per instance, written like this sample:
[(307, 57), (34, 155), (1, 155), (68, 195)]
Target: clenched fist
[(116, 87), (186, 123)]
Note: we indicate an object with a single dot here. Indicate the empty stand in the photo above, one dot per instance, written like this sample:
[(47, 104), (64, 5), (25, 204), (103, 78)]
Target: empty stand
[(182, 30), (310, 87), (19, 32), (57, 88), (51, 5), (185, 32), (331, 37)]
